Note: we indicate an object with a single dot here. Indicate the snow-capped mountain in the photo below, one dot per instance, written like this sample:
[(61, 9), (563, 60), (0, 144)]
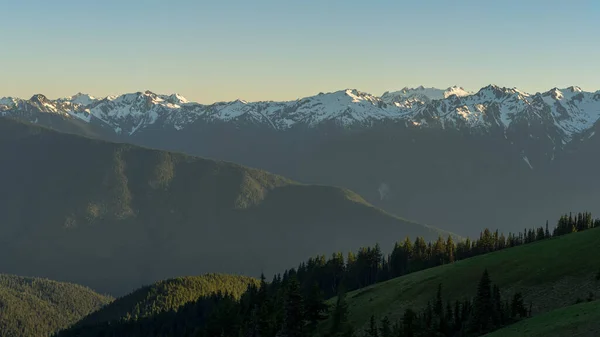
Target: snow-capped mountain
[(450, 150), (570, 111), (422, 94)]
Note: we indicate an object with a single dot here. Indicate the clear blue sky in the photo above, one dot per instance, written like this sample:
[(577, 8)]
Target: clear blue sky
[(277, 50)]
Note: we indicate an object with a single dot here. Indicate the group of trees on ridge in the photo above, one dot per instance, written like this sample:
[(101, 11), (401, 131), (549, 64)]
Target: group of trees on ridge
[(470, 317), (292, 304), (369, 265)]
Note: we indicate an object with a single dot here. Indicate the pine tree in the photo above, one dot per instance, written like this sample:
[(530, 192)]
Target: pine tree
[(450, 249), (397, 329), (315, 307), (340, 326), (294, 319), (439, 306), (482, 307), (372, 331), (457, 317), (448, 328), (497, 306), (386, 327), (408, 322), (547, 233), (518, 306), (264, 321)]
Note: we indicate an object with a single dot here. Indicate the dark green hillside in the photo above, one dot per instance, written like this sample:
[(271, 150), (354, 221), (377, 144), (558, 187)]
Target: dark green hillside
[(551, 274), (525, 274), (114, 216), (169, 295), (39, 307), (577, 320)]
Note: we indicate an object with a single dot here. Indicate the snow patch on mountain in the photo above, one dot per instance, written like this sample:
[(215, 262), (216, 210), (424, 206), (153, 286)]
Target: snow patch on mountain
[(570, 111), (80, 99), (573, 109), (422, 94), (8, 101)]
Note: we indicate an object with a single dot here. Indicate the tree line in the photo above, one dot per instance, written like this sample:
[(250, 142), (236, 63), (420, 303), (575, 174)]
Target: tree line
[(487, 312), (369, 265), (293, 303)]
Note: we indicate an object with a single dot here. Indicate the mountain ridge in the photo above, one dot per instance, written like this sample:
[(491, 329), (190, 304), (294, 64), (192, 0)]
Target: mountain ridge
[(39, 307), (571, 110), (114, 216), (458, 155)]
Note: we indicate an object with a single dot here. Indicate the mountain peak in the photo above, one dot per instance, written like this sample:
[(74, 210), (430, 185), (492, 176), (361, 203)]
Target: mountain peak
[(38, 98), (457, 91), (81, 98)]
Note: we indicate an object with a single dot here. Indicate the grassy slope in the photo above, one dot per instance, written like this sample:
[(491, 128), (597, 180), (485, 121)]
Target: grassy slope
[(168, 295), (115, 217), (551, 273), (577, 320), (38, 307)]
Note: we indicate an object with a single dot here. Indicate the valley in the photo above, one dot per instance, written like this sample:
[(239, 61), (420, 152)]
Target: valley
[(463, 153)]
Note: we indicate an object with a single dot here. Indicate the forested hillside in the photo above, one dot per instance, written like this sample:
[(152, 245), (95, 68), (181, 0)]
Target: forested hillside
[(168, 295), (115, 217), (489, 283), (582, 319), (39, 307)]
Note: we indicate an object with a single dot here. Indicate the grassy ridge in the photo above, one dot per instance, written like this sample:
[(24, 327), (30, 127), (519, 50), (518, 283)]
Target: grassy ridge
[(39, 307), (577, 320), (550, 273)]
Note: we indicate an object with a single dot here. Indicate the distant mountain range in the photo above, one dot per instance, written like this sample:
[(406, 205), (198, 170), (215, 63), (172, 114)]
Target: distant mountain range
[(440, 156), (115, 216), (567, 112)]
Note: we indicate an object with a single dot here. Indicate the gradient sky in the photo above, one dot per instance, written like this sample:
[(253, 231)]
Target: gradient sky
[(278, 50)]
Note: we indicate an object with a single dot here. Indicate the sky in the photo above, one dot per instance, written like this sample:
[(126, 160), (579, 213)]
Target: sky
[(255, 50)]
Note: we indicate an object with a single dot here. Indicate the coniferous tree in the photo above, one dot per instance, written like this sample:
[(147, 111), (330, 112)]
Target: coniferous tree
[(458, 319), (340, 325), (397, 329), (540, 234), (518, 306), (450, 249), (294, 313), (439, 305), (372, 331), (447, 327), (386, 327), (482, 319), (315, 307), (408, 323)]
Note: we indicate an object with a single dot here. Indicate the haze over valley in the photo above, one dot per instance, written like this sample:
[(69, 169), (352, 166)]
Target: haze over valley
[(299, 168)]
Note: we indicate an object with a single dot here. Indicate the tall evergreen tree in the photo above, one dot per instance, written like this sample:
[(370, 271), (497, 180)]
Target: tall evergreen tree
[(439, 305), (315, 307), (518, 306), (386, 327), (372, 331), (409, 322), (294, 313), (482, 319), (450, 249), (340, 325)]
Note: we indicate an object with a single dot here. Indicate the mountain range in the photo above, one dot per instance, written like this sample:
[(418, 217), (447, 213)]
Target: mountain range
[(565, 113), (448, 157), (115, 216)]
